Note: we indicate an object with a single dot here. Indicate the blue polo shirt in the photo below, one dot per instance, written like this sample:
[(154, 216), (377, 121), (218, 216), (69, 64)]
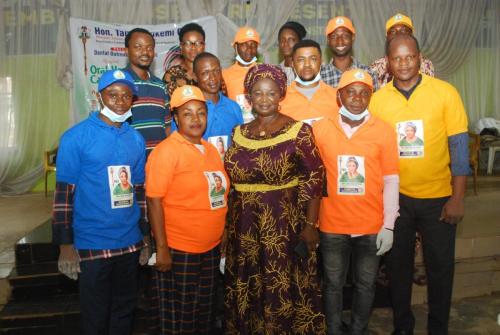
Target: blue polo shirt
[(222, 118), (150, 116), (91, 155)]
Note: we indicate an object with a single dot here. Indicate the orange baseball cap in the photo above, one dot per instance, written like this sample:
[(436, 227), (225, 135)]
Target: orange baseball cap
[(355, 76), (339, 21), (246, 34), (398, 19), (185, 94)]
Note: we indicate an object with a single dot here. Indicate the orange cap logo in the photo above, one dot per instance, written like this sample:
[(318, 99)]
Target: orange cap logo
[(187, 92), (359, 75)]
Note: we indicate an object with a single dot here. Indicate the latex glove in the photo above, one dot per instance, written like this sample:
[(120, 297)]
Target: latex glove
[(385, 237), (68, 262), (145, 251)]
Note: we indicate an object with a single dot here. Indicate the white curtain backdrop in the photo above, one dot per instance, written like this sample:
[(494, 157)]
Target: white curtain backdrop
[(461, 37), (445, 29)]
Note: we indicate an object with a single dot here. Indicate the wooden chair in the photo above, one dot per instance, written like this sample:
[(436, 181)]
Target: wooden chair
[(474, 150), (49, 164)]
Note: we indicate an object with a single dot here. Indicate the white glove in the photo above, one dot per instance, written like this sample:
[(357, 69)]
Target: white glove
[(152, 259), (385, 238), (222, 264), (68, 262)]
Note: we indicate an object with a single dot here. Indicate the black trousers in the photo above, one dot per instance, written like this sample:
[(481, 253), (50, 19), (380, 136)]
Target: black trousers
[(438, 245), (108, 294)]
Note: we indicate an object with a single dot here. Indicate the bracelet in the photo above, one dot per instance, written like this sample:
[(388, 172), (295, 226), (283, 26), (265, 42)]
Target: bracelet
[(313, 224)]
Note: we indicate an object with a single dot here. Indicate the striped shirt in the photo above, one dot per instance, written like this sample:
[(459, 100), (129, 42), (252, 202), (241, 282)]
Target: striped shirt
[(150, 115)]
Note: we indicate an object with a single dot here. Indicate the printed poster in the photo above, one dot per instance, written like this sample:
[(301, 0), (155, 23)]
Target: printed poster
[(217, 186), (411, 139), (351, 175), (220, 143), (99, 46), (246, 108), (121, 189)]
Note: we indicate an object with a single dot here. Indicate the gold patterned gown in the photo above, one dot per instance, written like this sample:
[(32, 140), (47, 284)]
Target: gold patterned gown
[(269, 289)]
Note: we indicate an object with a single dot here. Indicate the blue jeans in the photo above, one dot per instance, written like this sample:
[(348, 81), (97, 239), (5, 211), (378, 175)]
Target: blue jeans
[(337, 251), (108, 294)]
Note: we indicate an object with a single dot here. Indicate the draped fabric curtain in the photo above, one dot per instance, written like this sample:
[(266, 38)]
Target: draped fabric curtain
[(33, 107), (446, 29), (226, 29), (461, 37)]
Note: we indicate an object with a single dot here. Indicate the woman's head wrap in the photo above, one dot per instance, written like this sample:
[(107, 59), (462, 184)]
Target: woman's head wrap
[(262, 71)]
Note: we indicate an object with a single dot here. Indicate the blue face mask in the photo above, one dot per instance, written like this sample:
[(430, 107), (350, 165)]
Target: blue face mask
[(353, 117), (244, 63), (113, 117), (310, 82)]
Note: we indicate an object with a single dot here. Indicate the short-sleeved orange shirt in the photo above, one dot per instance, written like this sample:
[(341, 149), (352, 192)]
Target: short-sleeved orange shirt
[(234, 76), (355, 206), (194, 204), (322, 105)]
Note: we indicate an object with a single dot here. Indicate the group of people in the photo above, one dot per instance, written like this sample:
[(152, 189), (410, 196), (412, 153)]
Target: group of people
[(255, 171)]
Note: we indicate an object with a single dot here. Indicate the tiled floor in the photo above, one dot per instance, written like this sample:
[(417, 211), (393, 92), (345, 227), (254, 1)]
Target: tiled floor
[(20, 215)]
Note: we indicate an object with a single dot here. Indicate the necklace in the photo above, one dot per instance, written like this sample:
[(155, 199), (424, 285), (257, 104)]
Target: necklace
[(262, 131)]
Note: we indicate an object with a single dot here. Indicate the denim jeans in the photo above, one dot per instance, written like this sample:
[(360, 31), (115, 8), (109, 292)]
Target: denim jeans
[(108, 294), (438, 246), (337, 251)]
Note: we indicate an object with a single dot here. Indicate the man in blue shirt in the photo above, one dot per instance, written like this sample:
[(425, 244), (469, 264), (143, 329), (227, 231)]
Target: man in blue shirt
[(223, 113), (99, 207)]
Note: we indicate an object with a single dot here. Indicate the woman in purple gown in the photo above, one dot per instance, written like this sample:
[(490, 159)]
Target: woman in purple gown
[(272, 286)]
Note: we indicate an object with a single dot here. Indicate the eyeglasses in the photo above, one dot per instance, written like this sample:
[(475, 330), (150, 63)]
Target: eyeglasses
[(189, 44)]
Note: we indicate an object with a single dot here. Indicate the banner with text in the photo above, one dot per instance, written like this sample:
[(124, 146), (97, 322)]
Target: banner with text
[(97, 47)]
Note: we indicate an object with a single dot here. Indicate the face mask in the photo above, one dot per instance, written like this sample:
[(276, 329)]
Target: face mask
[(241, 61), (353, 117), (113, 117), (310, 82)]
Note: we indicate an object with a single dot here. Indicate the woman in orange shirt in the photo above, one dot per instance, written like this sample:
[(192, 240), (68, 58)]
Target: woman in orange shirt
[(186, 218)]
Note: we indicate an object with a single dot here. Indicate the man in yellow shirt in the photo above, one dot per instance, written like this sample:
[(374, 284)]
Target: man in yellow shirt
[(432, 180), (245, 45), (308, 98)]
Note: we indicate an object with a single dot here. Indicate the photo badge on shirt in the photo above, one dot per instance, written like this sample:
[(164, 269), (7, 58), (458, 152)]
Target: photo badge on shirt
[(220, 143), (217, 186), (246, 109), (410, 139), (351, 175), (312, 120), (121, 188)]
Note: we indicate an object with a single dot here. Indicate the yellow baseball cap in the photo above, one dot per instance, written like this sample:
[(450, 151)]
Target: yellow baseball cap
[(355, 76), (185, 94), (246, 34), (339, 21), (398, 19)]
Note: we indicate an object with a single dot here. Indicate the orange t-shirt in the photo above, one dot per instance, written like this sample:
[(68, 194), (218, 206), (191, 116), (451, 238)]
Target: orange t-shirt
[(234, 76), (194, 199), (354, 172), (322, 105)]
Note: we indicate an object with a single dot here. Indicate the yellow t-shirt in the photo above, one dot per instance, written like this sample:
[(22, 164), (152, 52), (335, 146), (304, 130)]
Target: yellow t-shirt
[(322, 105), (423, 123)]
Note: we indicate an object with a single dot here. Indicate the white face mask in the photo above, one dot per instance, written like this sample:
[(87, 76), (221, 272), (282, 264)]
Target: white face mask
[(244, 63), (112, 116), (353, 117), (310, 82)]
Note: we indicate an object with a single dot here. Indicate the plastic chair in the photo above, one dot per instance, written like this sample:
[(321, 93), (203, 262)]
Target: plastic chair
[(49, 164)]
